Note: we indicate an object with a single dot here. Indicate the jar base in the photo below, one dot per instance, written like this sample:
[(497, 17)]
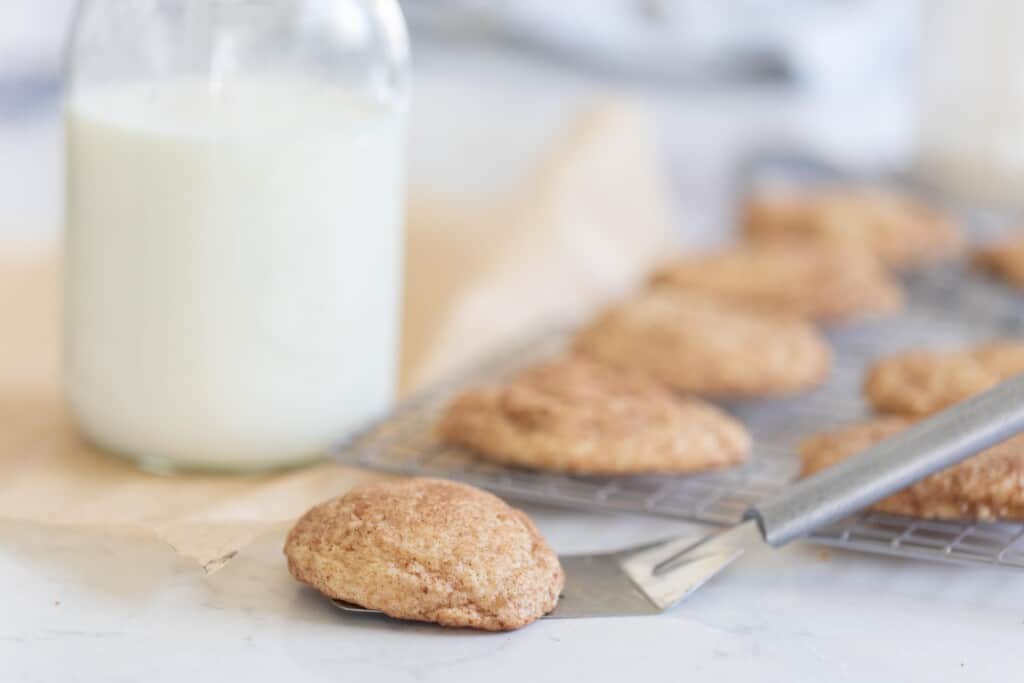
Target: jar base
[(169, 467)]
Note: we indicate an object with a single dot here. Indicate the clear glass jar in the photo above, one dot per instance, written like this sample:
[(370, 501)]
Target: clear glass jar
[(235, 181), (971, 100)]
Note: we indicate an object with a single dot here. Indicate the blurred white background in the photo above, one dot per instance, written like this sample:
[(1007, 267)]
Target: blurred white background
[(833, 76)]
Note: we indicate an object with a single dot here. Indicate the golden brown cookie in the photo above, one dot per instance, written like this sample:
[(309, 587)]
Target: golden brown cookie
[(576, 415), (920, 382), (699, 345), (428, 550), (900, 229), (1005, 260), (988, 486), (800, 279)]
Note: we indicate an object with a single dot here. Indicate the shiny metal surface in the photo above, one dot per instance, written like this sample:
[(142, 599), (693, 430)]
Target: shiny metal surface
[(669, 573), (948, 306), (651, 579), (639, 581), (897, 462)]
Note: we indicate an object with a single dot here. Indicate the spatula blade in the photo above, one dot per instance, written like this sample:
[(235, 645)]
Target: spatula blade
[(668, 573), (640, 581), (596, 586)]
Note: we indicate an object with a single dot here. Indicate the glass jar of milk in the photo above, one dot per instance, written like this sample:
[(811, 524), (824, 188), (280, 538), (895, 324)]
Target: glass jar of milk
[(971, 100), (235, 175)]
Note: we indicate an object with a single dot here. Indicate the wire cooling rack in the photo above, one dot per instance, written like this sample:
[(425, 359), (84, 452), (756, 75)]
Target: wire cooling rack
[(947, 306)]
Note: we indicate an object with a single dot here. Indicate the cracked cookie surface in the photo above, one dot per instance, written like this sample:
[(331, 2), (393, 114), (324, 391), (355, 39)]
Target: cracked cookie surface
[(698, 345), (576, 415), (1004, 260), (805, 280), (986, 487), (902, 230), (428, 550), (921, 382)]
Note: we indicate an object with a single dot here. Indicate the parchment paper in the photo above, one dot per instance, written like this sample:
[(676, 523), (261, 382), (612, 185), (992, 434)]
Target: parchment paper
[(588, 223)]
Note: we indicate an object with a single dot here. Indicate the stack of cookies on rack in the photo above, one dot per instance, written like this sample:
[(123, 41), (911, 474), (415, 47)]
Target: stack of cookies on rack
[(917, 382), (913, 384), (634, 391)]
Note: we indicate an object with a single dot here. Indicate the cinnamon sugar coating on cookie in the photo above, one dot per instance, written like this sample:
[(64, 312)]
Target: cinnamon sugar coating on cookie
[(801, 279), (700, 345), (576, 415), (1005, 260), (986, 487), (428, 550), (921, 382), (900, 229)]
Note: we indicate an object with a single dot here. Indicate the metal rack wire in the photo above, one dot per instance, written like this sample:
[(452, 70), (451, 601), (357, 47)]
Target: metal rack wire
[(947, 306)]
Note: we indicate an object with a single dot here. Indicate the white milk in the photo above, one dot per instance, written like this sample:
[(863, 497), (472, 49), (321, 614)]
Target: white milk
[(971, 100), (233, 269)]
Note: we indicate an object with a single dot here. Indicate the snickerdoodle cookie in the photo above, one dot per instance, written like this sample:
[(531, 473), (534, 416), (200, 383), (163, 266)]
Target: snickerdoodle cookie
[(428, 550), (1004, 260), (576, 415), (988, 486), (808, 280), (900, 229), (920, 382), (700, 345)]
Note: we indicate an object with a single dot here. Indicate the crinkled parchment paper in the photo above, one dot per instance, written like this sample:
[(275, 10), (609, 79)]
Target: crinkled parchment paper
[(586, 225)]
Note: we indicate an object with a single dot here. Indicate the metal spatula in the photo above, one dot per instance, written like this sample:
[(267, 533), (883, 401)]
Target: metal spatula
[(650, 579)]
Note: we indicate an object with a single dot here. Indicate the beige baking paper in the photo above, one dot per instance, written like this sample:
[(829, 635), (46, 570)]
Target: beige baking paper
[(588, 223)]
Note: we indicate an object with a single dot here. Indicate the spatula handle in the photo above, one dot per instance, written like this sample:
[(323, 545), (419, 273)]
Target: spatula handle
[(901, 460)]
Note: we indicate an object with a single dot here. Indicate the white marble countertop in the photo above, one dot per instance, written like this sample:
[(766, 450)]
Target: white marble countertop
[(84, 607)]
